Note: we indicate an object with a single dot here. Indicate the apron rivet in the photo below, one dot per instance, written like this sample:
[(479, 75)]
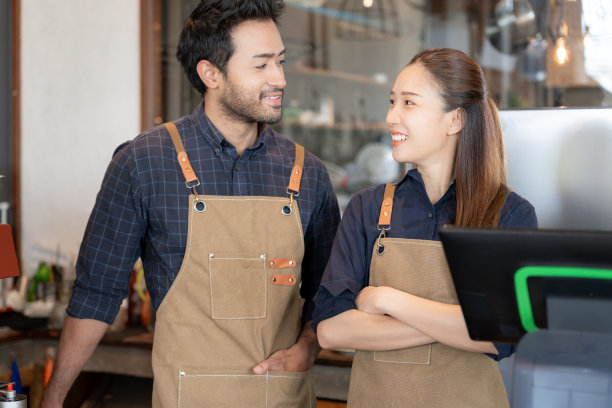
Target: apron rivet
[(274, 279), (290, 280), (262, 256), (182, 373), (386, 213), (271, 263), (211, 255), (286, 209), (290, 262)]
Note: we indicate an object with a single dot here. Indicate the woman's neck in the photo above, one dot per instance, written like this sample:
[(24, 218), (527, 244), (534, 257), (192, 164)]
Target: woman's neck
[(437, 180)]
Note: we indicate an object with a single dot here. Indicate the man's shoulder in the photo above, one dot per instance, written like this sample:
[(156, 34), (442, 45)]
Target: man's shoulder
[(154, 141), (287, 149)]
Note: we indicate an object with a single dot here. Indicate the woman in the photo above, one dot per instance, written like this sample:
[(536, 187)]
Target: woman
[(387, 291)]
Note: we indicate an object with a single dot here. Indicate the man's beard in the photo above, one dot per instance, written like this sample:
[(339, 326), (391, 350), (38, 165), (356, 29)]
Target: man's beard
[(236, 104)]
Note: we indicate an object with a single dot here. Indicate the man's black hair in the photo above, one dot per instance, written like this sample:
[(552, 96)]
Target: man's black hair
[(206, 34)]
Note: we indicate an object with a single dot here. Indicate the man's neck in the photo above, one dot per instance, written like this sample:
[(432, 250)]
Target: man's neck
[(241, 135)]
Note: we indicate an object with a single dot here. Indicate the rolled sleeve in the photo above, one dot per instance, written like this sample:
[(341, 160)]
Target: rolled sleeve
[(503, 350), (111, 244)]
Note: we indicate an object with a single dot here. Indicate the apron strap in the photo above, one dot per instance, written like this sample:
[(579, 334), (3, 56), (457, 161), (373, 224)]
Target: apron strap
[(296, 173), (384, 221), (191, 180)]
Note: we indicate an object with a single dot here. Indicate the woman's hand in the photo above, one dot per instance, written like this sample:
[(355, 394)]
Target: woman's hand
[(371, 299)]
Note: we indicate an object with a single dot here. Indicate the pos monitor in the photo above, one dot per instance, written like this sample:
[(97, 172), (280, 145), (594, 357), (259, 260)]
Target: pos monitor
[(510, 282)]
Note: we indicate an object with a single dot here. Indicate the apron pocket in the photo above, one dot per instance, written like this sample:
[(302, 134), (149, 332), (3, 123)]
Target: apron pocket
[(221, 389), (237, 287), (288, 389), (412, 355)]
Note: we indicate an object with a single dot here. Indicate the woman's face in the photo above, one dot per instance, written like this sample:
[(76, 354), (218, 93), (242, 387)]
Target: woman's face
[(422, 133)]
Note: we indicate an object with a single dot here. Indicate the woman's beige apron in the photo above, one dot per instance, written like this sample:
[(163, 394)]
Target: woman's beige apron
[(234, 302), (433, 375)]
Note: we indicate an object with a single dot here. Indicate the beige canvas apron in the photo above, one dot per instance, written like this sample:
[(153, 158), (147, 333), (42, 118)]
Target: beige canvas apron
[(234, 302), (433, 375)]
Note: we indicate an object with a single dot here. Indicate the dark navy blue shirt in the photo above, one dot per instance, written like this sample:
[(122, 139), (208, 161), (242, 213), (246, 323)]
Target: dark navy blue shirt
[(142, 210), (413, 216)]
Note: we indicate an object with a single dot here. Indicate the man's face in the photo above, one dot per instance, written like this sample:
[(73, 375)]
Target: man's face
[(252, 89)]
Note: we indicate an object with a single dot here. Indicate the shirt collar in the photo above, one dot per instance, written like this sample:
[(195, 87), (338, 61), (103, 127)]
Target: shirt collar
[(413, 176), (214, 137)]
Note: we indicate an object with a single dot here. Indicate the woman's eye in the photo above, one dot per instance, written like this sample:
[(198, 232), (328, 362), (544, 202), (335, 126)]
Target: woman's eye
[(391, 102), (407, 102)]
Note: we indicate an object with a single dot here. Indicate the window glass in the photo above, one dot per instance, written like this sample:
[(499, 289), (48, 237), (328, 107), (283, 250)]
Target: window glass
[(342, 56)]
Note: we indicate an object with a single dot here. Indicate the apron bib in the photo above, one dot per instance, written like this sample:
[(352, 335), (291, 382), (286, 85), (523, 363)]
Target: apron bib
[(234, 302), (432, 375)]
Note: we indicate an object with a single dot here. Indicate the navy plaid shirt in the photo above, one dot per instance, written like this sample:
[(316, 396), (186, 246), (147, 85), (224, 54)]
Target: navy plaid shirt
[(142, 210)]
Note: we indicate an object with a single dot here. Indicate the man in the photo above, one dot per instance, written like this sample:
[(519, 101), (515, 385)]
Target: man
[(232, 222)]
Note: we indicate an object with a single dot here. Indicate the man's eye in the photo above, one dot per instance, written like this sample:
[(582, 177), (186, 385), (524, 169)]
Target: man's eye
[(261, 66)]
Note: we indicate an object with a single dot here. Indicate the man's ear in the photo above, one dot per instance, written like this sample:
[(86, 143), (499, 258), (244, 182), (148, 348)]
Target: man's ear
[(456, 121), (209, 74)]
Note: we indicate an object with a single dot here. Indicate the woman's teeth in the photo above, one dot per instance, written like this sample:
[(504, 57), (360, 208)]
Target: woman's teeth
[(398, 137)]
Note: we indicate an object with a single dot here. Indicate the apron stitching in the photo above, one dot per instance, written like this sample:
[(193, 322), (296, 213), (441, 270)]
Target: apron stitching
[(310, 392), (267, 378), (235, 259), (245, 198), (298, 220), (405, 362), (223, 375), (178, 397), (212, 309), (390, 240)]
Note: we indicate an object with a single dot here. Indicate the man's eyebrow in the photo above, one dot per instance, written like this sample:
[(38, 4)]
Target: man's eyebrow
[(270, 55)]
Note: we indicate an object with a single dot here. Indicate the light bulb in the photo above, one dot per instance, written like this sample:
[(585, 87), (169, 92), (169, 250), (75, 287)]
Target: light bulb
[(561, 53), (368, 3), (586, 39), (563, 28)]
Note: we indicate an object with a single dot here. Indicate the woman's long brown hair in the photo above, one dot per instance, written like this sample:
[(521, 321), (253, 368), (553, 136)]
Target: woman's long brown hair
[(480, 170)]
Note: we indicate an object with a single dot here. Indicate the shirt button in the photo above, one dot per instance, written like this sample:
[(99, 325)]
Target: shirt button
[(430, 215)]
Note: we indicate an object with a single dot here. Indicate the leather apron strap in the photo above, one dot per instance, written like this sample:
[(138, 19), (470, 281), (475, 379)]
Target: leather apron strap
[(296, 173), (384, 220), (183, 160)]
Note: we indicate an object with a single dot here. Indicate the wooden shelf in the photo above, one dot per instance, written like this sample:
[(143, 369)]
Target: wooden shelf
[(300, 68)]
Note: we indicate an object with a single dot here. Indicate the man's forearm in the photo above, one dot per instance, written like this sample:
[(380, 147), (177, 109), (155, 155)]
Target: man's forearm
[(309, 339), (78, 340)]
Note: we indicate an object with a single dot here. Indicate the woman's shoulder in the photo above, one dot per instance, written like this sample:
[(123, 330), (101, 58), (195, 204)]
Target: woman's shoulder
[(518, 212), (368, 197)]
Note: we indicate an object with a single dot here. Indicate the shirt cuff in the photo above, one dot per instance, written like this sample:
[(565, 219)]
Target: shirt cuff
[(86, 305), (504, 350), (328, 306)]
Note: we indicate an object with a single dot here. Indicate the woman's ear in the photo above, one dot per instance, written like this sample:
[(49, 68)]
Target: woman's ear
[(456, 121), (208, 73)]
